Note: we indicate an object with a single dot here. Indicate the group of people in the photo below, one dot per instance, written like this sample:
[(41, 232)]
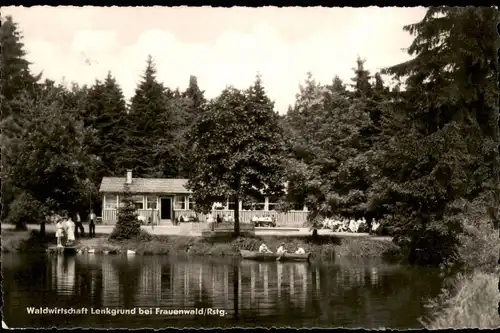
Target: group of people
[(212, 222), (346, 225), (281, 249), (67, 228)]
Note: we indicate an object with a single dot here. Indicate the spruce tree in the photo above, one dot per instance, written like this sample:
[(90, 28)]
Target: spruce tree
[(440, 170), (16, 82), (105, 113), (149, 142), (128, 225), (16, 79)]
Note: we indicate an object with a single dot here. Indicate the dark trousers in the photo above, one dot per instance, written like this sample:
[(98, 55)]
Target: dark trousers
[(92, 230), (79, 228)]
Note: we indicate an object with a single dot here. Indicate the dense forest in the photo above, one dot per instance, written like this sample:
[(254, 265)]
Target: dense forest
[(420, 157)]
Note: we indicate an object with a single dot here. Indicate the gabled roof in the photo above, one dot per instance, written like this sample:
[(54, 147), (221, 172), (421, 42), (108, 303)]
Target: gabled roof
[(145, 185)]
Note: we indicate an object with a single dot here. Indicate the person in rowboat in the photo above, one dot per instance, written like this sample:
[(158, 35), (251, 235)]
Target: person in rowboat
[(281, 250), (300, 250), (263, 249)]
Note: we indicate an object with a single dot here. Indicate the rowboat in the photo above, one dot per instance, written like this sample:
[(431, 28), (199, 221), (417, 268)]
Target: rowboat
[(255, 255)]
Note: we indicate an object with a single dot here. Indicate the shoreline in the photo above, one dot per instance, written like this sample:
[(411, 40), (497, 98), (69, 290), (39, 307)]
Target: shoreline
[(325, 246)]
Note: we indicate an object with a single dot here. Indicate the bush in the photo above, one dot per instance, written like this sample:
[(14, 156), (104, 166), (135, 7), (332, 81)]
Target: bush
[(479, 247), (470, 301), (25, 209), (128, 225)]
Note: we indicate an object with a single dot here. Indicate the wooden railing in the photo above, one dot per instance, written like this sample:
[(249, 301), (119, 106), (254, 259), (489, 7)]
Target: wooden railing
[(109, 216), (295, 218), (291, 217)]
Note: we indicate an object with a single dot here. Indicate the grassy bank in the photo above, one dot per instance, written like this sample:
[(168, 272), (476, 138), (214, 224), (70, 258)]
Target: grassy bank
[(322, 247), (470, 299)]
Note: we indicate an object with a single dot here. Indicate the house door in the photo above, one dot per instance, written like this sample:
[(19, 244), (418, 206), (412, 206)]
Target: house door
[(166, 209)]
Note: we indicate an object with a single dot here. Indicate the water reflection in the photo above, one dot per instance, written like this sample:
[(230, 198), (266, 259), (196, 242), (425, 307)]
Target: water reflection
[(347, 294), (63, 273)]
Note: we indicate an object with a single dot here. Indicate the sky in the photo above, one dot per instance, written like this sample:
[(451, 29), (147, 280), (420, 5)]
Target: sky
[(220, 46)]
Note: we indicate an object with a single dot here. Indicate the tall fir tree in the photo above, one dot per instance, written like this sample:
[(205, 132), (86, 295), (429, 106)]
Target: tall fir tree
[(16, 83), (149, 143), (441, 169), (16, 78)]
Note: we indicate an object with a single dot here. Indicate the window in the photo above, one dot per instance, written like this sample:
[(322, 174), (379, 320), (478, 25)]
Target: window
[(191, 203), (180, 202), (138, 201), (151, 202), (273, 202), (111, 201), (231, 206)]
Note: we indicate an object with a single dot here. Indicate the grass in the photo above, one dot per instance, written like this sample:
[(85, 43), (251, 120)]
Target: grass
[(471, 301), (471, 298), (25, 241)]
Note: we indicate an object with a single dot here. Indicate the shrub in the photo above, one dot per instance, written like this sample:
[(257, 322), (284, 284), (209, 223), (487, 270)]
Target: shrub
[(25, 209), (479, 247), (128, 225), (470, 301)]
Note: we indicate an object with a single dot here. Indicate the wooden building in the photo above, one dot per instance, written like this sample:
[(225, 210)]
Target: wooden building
[(163, 200)]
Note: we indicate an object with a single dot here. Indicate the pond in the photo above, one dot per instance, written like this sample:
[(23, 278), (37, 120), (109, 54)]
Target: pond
[(120, 291)]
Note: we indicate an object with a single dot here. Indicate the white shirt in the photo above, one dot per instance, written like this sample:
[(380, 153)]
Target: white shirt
[(300, 251), (263, 248), (281, 250)]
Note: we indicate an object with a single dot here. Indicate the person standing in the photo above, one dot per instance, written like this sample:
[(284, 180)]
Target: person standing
[(92, 221), (59, 231), (210, 222), (70, 231), (79, 225)]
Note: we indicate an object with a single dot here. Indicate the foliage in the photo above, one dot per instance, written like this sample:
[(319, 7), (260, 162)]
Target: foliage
[(16, 81), (104, 114), (471, 301), (26, 209), (446, 156), (16, 78), (329, 167), (128, 225), (421, 158), (236, 146), (44, 153), (149, 147)]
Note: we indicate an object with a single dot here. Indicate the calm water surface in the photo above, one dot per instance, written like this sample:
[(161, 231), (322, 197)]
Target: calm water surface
[(345, 293)]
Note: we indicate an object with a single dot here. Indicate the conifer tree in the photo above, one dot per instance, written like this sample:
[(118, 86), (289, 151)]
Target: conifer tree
[(442, 167), (128, 225), (149, 143)]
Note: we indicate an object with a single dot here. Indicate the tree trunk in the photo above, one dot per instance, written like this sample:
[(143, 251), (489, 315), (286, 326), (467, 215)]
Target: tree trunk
[(315, 234), (20, 225), (42, 229), (236, 217)]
